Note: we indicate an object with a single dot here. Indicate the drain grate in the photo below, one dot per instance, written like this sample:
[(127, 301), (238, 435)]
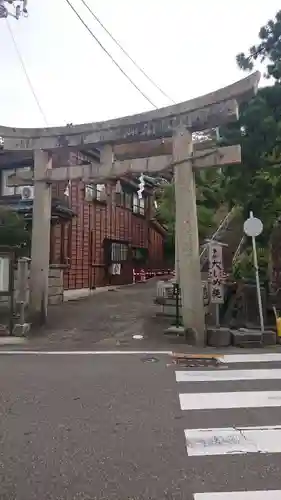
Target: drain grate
[(196, 362)]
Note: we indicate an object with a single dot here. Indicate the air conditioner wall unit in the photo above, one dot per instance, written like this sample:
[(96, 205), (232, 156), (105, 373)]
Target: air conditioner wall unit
[(27, 192)]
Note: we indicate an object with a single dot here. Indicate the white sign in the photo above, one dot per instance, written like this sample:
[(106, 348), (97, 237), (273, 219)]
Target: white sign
[(4, 274), (253, 227), (116, 269), (216, 274)]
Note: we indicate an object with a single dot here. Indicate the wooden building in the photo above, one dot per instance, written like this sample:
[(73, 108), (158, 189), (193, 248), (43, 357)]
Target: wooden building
[(99, 233)]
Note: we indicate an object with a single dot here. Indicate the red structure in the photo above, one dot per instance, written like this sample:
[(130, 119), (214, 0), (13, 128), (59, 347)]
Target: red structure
[(99, 233)]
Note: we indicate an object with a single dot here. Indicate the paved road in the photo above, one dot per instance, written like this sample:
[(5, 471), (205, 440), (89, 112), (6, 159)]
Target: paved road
[(125, 427), (106, 320)]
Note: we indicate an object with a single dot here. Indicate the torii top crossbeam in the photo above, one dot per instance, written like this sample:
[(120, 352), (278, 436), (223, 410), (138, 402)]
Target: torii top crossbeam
[(211, 110)]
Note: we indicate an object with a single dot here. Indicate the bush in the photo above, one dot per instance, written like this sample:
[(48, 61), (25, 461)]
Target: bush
[(13, 232), (243, 268)]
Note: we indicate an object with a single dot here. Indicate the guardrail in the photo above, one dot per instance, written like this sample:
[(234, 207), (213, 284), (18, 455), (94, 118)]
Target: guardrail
[(142, 275)]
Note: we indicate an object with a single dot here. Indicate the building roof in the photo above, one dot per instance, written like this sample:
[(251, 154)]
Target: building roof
[(60, 210)]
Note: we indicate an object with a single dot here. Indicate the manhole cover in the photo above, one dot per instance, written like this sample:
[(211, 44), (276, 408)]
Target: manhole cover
[(150, 359)]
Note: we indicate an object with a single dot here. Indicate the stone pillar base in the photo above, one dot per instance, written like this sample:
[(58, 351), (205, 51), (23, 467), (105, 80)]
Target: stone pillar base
[(21, 330), (218, 337)]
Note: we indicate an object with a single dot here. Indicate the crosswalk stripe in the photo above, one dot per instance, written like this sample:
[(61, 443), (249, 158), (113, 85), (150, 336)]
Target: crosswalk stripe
[(251, 358), (221, 400), (240, 495), (216, 376), (233, 440)]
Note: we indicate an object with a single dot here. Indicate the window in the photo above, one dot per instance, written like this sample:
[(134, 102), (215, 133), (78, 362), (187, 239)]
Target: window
[(128, 201), (120, 199), (119, 252), (5, 190), (100, 192), (138, 205), (95, 192), (60, 243), (124, 200), (139, 255)]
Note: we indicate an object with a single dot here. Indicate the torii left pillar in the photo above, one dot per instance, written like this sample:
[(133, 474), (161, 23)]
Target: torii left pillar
[(188, 271), (40, 245)]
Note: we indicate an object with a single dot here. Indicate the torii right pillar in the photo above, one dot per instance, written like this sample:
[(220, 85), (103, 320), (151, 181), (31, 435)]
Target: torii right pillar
[(188, 270)]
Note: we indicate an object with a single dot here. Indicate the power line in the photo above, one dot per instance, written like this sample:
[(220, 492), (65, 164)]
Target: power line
[(26, 74), (109, 55), (126, 53)]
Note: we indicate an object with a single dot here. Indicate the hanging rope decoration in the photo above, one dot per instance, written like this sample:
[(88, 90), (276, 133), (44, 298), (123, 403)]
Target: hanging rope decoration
[(141, 186)]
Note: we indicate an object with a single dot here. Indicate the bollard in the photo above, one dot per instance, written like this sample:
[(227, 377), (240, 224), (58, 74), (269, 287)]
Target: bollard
[(142, 275)]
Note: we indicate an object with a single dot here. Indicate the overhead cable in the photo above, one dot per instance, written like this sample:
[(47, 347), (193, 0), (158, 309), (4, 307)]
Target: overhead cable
[(126, 53), (109, 55), (26, 74)]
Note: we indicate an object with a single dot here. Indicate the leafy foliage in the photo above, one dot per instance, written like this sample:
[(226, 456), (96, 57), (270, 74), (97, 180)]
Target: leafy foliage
[(267, 50), (244, 268), (13, 232), (256, 183), (209, 198)]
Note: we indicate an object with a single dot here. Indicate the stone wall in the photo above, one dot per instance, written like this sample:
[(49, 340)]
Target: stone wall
[(55, 291)]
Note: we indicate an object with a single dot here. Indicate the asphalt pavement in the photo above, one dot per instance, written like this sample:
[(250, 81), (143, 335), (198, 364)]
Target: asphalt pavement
[(139, 427)]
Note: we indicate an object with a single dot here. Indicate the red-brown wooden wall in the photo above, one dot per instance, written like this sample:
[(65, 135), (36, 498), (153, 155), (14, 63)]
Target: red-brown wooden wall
[(85, 234)]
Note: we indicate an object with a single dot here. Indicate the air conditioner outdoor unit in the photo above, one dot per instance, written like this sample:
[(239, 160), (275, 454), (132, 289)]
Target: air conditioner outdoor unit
[(27, 192)]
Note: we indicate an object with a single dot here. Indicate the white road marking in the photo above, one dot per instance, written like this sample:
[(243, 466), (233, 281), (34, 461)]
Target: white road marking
[(216, 375), (219, 400), (9, 340), (66, 353), (250, 358), (240, 495), (233, 440)]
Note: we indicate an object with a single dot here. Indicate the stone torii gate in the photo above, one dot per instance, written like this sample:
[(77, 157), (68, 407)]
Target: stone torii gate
[(168, 136)]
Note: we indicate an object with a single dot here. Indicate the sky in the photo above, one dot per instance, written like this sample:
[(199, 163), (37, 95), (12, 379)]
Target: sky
[(187, 47)]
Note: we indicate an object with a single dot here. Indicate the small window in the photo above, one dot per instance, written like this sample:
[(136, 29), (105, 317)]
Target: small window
[(119, 252), (95, 192), (90, 192), (138, 205), (139, 254), (60, 243), (142, 205), (100, 192), (120, 199), (128, 201)]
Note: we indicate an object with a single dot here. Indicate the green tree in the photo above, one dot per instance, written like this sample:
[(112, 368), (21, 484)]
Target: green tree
[(13, 231), (209, 198), (267, 50), (256, 183)]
